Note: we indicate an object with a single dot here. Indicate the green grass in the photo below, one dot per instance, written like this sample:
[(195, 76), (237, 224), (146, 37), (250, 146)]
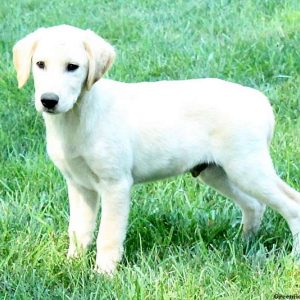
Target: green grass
[(184, 240)]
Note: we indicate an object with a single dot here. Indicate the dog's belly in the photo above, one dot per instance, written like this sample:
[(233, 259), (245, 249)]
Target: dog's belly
[(170, 152), (195, 171), (154, 169), (140, 175)]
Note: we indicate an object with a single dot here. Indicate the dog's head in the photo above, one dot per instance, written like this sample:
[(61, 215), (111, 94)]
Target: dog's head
[(64, 60)]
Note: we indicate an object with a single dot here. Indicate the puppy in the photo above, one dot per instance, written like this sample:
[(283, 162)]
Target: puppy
[(105, 136)]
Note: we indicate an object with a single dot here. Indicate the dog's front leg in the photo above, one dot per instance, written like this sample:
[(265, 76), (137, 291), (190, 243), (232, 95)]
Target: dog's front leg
[(84, 205), (115, 199)]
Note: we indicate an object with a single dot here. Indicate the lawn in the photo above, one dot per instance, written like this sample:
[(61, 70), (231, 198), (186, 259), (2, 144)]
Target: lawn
[(184, 240)]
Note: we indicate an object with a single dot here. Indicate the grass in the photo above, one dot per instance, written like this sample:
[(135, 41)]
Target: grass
[(184, 239)]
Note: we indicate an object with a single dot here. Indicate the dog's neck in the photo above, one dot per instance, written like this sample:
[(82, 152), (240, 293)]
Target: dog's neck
[(59, 124), (79, 121)]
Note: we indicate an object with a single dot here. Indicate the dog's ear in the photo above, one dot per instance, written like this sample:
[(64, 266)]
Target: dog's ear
[(100, 54), (22, 55)]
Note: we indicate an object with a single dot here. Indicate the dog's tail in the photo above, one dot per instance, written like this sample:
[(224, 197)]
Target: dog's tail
[(270, 133)]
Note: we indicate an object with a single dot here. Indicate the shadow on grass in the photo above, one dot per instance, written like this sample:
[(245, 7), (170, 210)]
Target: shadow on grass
[(170, 232)]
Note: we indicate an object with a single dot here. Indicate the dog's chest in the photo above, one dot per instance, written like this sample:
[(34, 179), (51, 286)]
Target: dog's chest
[(73, 165)]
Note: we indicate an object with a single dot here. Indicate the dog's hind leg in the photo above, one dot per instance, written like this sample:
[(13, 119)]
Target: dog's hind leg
[(252, 209), (254, 174)]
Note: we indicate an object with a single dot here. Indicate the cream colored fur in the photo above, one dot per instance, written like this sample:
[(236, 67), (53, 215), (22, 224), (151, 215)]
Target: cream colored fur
[(104, 136)]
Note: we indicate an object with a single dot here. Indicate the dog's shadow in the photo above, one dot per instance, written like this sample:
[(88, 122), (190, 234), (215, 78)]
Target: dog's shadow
[(164, 231)]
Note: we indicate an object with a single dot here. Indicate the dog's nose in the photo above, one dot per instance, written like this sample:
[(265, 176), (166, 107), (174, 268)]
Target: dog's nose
[(49, 100)]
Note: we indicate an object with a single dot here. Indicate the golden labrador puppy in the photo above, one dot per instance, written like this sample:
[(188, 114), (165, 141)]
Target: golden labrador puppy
[(105, 136)]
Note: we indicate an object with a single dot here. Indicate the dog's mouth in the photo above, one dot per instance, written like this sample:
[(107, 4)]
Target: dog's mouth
[(54, 111), (50, 111)]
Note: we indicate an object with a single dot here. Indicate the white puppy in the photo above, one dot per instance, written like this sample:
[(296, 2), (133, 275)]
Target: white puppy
[(105, 136)]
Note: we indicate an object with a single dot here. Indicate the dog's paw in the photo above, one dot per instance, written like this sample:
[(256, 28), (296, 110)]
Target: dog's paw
[(249, 235), (107, 267), (107, 261), (74, 252), (295, 255), (296, 246)]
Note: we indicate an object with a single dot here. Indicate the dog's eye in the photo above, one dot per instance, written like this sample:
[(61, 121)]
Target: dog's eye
[(72, 67), (41, 64)]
